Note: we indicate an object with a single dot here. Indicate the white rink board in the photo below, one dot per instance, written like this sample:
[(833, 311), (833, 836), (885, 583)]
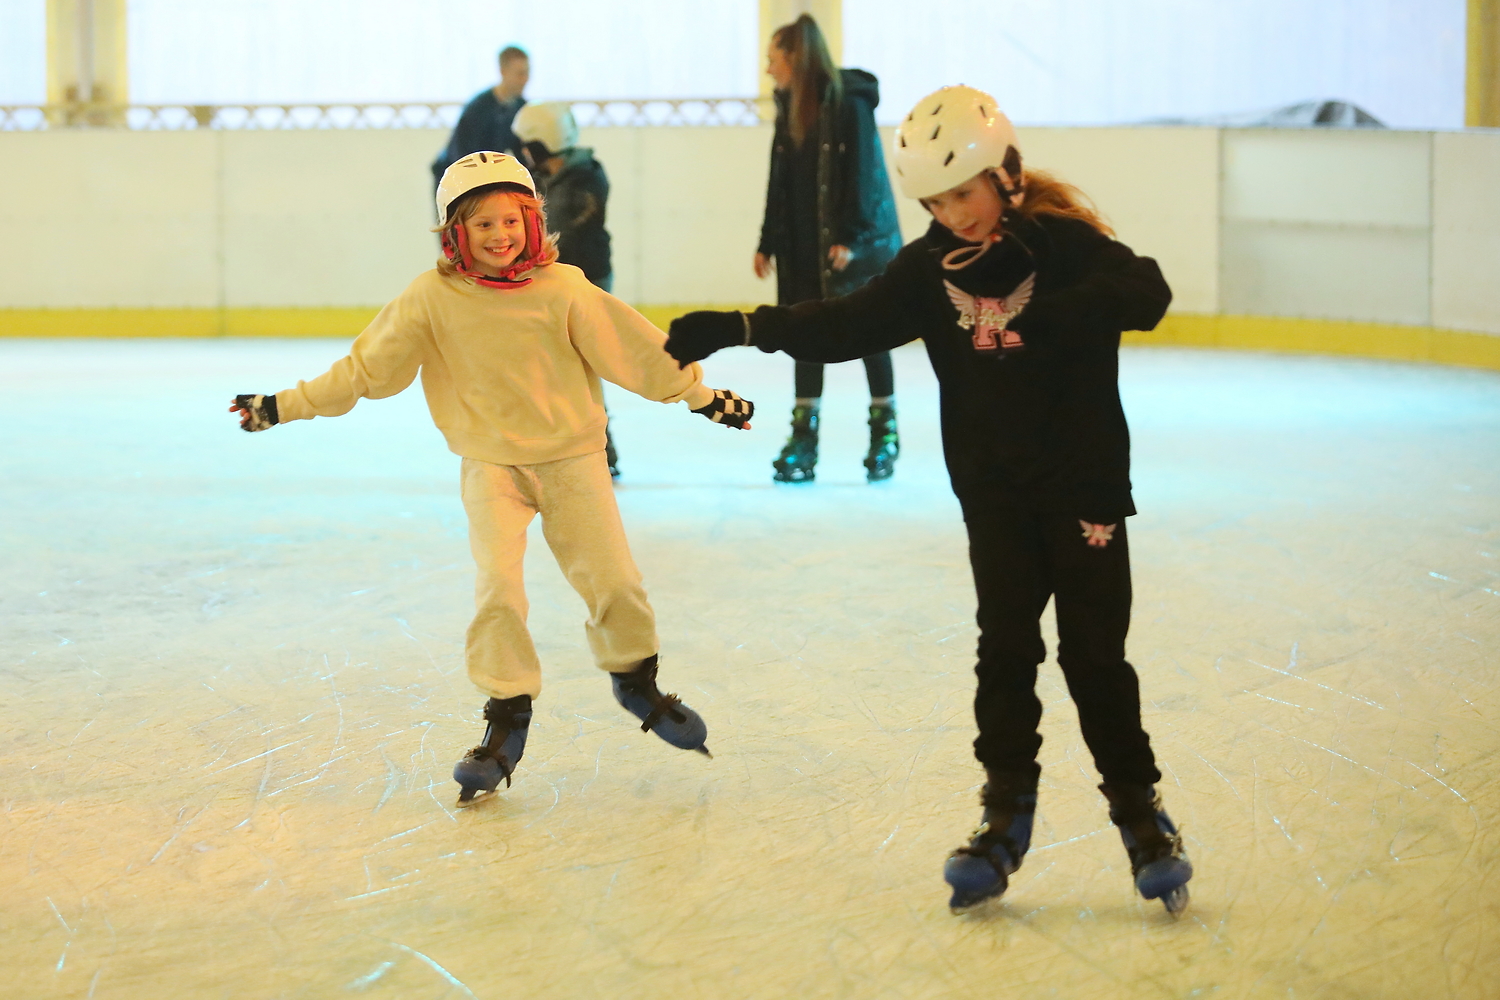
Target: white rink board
[(100, 219), (234, 693), (1327, 224), (1466, 231)]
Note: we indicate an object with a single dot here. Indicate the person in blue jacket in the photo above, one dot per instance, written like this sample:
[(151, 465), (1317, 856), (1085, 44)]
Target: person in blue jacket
[(830, 223), (485, 123)]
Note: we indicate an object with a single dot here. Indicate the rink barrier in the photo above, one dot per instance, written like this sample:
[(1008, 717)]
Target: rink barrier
[(635, 112), (1245, 333)]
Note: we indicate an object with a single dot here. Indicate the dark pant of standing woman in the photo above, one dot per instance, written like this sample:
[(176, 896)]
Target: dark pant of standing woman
[(809, 378), (1020, 559)]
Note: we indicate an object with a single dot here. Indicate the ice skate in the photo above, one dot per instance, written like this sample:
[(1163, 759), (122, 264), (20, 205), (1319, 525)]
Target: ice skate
[(800, 454), (885, 443), (662, 714), (506, 724), (1157, 861), (981, 869)]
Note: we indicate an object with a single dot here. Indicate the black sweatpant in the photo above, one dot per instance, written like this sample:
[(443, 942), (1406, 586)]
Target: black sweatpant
[(809, 379), (1020, 559)]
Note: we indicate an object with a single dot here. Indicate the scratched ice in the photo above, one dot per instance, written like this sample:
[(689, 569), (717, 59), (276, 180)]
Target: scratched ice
[(233, 692)]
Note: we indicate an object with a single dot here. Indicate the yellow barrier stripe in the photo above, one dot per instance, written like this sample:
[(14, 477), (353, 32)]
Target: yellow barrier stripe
[(1257, 333)]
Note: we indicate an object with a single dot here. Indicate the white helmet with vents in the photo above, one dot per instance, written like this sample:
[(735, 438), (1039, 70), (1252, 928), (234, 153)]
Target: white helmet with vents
[(478, 170), (951, 135), (550, 123)]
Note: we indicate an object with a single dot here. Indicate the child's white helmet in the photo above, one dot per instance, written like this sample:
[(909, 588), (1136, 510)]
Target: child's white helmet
[(951, 135), (550, 123), (478, 170)]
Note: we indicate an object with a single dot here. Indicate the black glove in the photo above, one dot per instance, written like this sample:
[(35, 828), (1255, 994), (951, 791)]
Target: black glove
[(257, 413), (698, 334), (727, 408)]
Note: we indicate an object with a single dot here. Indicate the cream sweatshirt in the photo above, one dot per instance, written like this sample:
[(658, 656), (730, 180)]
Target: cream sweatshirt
[(511, 375)]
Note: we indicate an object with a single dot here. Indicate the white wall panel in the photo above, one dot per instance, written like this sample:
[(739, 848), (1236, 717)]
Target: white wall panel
[(1466, 231), (1158, 187), (1325, 272), (1326, 224), (102, 219), (322, 218), (1373, 177), (697, 212)]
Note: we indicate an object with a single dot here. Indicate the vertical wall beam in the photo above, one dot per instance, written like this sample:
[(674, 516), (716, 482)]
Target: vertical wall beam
[(774, 13), (1482, 84), (88, 81)]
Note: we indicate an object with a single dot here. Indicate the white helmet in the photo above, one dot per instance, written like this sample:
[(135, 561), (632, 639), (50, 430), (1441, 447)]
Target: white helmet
[(951, 135), (550, 124), (475, 171)]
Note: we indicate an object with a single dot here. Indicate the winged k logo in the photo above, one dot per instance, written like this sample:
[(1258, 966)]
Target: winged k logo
[(990, 318)]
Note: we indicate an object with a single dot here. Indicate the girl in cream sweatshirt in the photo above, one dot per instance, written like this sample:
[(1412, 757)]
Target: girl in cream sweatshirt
[(511, 346)]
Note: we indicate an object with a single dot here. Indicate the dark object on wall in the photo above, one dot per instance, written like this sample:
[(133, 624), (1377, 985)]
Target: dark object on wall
[(1308, 114)]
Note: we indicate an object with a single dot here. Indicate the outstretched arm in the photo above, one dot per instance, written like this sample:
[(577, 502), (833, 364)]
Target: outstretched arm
[(885, 313)]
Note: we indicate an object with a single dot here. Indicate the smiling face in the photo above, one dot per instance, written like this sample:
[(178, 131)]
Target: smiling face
[(971, 211), (496, 233)]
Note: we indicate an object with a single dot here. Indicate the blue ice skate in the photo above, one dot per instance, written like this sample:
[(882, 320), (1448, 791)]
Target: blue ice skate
[(482, 769), (1157, 860), (662, 714), (982, 869)]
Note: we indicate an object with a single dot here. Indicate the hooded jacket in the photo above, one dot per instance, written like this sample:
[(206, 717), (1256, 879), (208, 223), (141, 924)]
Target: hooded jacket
[(855, 206), (1030, 400), (576, 197)]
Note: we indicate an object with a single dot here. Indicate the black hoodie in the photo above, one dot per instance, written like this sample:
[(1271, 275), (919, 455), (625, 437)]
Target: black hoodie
[(1037, 415)]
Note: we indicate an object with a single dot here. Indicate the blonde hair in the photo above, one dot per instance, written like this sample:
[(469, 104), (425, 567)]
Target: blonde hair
[(464, 208), (1045, 194)]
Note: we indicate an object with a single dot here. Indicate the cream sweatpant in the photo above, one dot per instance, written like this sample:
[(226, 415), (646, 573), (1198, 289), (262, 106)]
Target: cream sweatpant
[(581, 523)]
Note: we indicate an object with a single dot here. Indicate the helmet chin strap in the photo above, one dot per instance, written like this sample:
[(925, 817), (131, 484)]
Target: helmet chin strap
[(1010, 197), (456, 249)]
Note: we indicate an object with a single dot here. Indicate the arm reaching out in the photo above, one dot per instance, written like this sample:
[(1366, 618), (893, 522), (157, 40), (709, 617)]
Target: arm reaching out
[(257, 413), (698, 334)]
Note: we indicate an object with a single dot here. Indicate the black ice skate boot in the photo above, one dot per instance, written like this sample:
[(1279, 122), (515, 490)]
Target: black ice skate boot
[(885, 444), (1157, 861), (662, 714), (506, 724), (800, 454), (982, 869)]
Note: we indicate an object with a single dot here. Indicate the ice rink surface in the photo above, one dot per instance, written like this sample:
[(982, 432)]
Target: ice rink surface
[(233, 693)]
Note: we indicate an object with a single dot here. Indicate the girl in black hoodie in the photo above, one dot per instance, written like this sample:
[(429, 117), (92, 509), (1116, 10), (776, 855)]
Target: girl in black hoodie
[(1020, 295)]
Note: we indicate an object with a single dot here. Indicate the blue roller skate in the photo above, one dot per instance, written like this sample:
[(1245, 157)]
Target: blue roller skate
[(982, 869), (1157, 860), (662, 714), (482, 769)]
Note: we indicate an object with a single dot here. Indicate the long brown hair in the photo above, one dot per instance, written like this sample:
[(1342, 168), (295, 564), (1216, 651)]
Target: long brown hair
[(814, 76), (1046, 194)]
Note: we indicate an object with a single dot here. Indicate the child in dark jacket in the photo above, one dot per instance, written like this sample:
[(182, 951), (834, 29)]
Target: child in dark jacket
[(577, 193), (1020, 295)]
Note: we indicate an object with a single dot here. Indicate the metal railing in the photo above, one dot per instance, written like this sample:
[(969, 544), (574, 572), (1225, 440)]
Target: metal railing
[(617, 113)]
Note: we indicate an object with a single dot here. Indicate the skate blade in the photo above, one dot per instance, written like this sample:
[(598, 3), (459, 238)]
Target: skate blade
[(1176, 901), (469, 795), (704, 751)]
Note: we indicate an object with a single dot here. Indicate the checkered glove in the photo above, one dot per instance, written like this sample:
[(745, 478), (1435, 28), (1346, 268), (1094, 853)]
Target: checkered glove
[(257, 413), (729, 410)]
